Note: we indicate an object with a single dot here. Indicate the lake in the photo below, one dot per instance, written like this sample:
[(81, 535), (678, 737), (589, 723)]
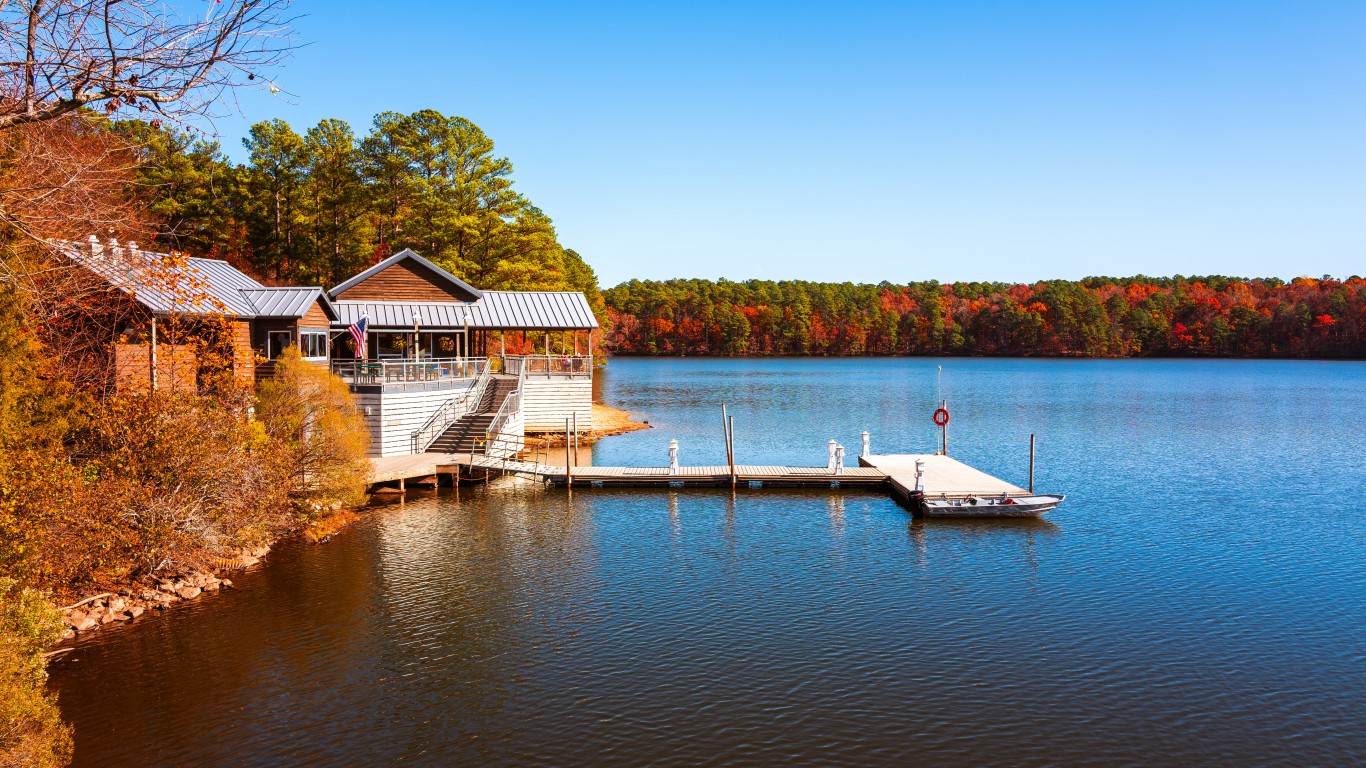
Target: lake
[(1199, 599)]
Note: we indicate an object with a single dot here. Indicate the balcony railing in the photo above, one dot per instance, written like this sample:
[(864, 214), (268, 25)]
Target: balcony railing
[(552, 366), (394, 371)]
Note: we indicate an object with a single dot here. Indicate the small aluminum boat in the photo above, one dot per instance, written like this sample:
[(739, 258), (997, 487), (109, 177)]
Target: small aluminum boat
[(990, 506)]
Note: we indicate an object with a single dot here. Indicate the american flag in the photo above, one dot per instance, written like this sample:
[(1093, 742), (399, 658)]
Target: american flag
[(357, 331)]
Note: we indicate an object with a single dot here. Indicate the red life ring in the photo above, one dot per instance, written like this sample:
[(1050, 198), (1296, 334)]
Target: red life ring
[(941, 417)]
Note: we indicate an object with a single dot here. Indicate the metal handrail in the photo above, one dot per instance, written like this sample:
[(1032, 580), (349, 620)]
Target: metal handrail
[(428, 369), (446, 414), (511, 404), (553, 366)]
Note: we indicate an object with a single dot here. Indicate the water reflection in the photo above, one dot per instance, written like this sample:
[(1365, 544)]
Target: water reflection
[(506, 625)]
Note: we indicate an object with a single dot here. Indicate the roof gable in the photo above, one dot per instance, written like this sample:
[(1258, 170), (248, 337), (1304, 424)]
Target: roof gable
[(288, 302), (406, 276)]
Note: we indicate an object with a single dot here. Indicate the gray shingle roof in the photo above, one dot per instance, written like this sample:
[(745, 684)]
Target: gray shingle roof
[(497, 310)]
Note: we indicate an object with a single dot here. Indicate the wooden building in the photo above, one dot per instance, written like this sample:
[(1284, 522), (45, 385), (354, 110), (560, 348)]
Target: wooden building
[(436, 373)]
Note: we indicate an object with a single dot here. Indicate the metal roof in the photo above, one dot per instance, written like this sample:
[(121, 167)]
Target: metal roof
[(185, 285), (286, 302), (496, 310), (210, 286), (191, 286), (538, 309), (406, 254)]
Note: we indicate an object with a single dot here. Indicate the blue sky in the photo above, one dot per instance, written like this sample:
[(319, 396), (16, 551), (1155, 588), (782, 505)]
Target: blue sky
[(862, 141)]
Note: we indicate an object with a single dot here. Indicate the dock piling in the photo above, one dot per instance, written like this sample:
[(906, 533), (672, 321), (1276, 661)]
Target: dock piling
[(1031, 464), (867, 443), (730, 445)]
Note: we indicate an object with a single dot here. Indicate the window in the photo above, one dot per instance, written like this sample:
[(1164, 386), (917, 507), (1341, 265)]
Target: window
[(313, 344), (277, 342)]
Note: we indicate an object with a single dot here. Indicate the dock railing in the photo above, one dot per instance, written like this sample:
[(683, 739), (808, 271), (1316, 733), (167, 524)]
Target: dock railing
[(391, 371)]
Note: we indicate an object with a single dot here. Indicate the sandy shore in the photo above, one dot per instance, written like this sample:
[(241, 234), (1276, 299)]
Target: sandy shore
[(607, 421)]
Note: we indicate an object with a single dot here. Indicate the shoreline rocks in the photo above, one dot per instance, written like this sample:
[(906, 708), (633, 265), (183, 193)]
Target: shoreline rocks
[(157, 592), (161, 590)]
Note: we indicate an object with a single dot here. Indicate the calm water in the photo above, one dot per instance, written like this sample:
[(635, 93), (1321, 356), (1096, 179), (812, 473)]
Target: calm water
[(1200, 599)]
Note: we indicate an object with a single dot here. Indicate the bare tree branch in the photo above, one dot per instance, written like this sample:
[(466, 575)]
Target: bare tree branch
[(59, 56)]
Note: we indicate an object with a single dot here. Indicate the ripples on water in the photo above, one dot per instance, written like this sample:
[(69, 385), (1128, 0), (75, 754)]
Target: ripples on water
[(1198, 599)]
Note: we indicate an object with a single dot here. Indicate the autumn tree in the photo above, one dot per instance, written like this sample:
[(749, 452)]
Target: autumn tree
[(311, 416)]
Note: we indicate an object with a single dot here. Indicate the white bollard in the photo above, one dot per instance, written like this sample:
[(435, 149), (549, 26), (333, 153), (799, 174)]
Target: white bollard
[(920, 475), (867, 449), (673, 457), (839, 459), (830, 463)]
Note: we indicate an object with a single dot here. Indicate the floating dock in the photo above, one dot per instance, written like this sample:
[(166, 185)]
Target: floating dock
[(895, 474), (943, 477)]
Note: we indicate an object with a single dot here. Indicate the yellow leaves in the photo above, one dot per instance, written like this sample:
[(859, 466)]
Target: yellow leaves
[(33, 734)]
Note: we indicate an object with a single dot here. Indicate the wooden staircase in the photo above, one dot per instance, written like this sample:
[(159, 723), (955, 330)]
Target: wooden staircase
[(465, 434)]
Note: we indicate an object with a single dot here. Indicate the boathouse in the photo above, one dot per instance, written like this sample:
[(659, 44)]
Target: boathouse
[(447, 367)]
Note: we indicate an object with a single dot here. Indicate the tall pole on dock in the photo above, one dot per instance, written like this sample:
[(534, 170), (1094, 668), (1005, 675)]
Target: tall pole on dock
[(944, 430), (730, 441), (568, 464), (943, 404), (1031, 464), (725, 432), (576, 437)]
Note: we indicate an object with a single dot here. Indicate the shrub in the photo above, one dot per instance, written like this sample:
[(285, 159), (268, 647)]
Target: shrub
[(311, 416), (32, 733)]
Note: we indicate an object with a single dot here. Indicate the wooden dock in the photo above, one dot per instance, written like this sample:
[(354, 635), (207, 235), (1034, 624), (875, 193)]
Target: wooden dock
[(893, 473)]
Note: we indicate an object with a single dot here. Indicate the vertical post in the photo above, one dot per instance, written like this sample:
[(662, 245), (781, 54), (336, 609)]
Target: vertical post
[(673, 457), (725, 432), (867, 445), (590, 349), (1031, 464), (944, 431), (576, 436), (152, 359), (839, 459), (726, 425), (730, 429), (830, 459), (920, 475), (568, 465)]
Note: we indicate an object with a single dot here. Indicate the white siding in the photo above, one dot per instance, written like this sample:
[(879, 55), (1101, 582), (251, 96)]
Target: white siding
[(394, 416), (548, 402), (513, 429)]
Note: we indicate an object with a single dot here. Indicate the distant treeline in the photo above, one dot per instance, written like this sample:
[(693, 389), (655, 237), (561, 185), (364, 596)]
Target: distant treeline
[(1095, 317)]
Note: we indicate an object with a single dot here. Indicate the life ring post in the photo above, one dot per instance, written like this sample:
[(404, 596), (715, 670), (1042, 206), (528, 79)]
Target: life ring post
[(941, 420)]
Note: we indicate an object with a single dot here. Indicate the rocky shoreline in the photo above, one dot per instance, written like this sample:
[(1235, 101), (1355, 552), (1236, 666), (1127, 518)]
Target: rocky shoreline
[(153, 593)]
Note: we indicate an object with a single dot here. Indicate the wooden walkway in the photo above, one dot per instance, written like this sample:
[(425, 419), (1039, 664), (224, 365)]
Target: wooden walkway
[(895, 473)]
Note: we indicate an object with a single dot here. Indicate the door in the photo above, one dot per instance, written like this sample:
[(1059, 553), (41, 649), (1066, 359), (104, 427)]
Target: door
[(277, 342)]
